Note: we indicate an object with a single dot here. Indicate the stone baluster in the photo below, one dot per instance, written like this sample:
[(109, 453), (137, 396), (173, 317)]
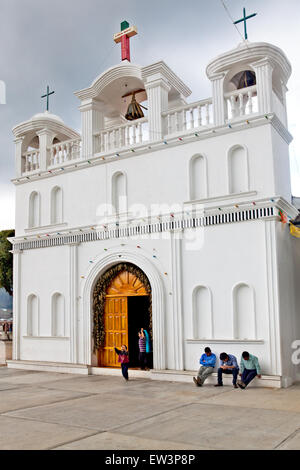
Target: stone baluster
[(241, 105), (199, 120), (176, 122), (52, 155), (134, 134), (233, 106), (250, 101), (169, 123), (192, 118), (184, 121), (140, 132), (127, 135), (207, 113), (69, 151)]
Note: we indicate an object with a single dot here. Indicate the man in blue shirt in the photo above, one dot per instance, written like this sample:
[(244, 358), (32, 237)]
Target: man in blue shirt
[(208, 362), (228, 365)]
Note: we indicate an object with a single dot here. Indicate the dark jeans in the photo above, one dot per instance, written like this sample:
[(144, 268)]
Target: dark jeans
[(248, 375), (234, 373), (143, 360), (125, 370)]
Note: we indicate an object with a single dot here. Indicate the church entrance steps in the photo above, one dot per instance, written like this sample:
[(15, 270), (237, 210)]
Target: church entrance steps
[(269, 381), (64, 368), (136, 373)]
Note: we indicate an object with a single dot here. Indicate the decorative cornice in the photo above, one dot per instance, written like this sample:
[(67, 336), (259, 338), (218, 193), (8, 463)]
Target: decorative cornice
[(162, 69), (266, 209)]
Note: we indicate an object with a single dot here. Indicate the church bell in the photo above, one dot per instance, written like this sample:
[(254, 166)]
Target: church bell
[(134, 110)]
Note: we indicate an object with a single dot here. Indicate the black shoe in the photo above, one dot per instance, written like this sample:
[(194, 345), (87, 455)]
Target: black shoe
[(235, 386), (195, 381), (219, 385), (241, 386)]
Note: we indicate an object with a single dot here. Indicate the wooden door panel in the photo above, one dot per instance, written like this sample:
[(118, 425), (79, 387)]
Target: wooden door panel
[(116, 330)]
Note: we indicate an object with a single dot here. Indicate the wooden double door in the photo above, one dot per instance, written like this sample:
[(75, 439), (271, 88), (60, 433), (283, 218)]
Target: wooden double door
[(121, 317)]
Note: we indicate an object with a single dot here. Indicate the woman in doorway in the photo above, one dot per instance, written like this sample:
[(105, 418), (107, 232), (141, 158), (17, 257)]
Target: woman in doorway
[(123, 359), (142, 350)]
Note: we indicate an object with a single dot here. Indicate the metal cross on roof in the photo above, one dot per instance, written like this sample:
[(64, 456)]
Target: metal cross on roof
[(47, 95), (244, 19)]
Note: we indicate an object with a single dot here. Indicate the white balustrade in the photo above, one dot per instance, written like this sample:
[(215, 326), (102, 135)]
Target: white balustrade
[(31, 161), (65, 151), (241, 102), (126, 135), (190, 116)]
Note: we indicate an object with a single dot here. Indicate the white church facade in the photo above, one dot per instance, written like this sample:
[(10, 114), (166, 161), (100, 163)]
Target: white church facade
[(171, 222)]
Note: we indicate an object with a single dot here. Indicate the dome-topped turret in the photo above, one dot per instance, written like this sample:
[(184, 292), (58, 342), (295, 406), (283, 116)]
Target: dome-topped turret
[(47, 116)]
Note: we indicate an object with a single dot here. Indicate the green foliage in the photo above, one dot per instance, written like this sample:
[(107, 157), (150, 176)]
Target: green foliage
[(6, 261)]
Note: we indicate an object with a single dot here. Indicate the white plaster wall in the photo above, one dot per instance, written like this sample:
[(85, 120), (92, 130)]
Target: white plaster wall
[(44, 272), (288, 255), (160, 177), (230, 254)]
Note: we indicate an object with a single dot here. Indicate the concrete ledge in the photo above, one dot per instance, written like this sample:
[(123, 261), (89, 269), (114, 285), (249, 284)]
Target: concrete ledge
[(63, 368), (270, 381)]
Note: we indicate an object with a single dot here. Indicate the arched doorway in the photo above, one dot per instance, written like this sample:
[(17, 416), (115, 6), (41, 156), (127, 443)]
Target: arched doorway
[(122, 305)]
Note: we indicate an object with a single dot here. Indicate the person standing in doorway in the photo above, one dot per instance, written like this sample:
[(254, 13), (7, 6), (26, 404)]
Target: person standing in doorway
[(123, 359), (207, 362), (148, 348), (142, 349)]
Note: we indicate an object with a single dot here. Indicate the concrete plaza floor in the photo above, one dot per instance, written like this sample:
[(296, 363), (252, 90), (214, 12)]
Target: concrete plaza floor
[(44, 410)]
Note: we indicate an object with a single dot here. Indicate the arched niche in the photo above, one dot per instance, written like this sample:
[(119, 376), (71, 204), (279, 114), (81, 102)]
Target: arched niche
[(57, 315), (34, 210), (119, 192), (244, 312), (238, 169), (56, 205), (202, 313), (32, 315), (198, 177)]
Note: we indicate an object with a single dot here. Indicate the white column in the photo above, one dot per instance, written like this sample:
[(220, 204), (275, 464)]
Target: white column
[(176, 253), (18, 156), (73, 289), (263, 70), (45, 140), (92, 121), (157, 89), (16, 303), (219, 110), (272, 298)]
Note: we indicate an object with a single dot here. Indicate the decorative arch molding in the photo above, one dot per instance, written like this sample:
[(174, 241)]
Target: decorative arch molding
[(100, 266), (33, 315), (244, 312), (238, 180), (34, 204), (202, 312), (108, 77), (195, 193)]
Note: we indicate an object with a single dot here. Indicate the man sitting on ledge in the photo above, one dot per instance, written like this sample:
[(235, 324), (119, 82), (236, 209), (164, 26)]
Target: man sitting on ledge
[(208, 362), (228, 365), (250, 368)]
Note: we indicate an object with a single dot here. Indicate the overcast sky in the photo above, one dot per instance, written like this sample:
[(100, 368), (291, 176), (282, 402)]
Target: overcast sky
[(68, 43)]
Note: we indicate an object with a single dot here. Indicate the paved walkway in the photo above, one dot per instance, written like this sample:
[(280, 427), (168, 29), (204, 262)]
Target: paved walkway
[(43, 410)]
